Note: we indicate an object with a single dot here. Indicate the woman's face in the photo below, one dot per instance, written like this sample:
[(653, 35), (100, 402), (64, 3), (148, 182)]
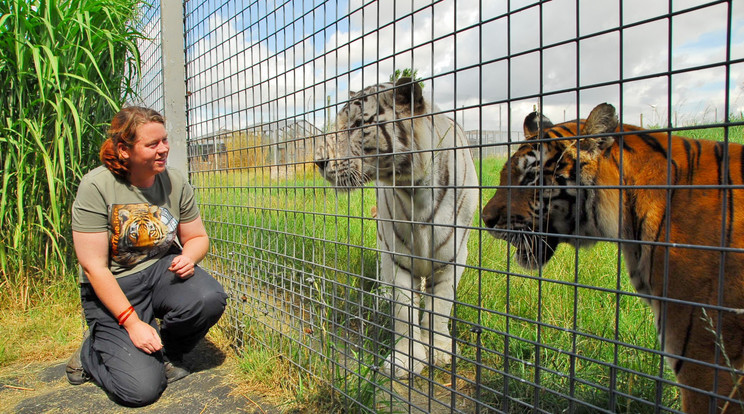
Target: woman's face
[(147, 157)]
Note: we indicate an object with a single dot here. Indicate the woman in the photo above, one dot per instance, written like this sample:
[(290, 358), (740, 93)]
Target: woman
[(138, 236)]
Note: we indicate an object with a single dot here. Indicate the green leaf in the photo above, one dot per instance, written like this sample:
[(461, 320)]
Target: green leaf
[(67, 66)]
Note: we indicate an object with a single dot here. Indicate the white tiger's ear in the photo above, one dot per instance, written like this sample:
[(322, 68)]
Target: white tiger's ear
[(408, 91), (602, 120), (351, 94)]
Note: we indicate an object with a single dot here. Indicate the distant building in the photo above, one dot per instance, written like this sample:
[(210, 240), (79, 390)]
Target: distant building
[(288, 141), (492, 143), (276, 143)]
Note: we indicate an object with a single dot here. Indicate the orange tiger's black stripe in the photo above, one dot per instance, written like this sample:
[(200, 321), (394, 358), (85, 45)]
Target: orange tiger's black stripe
[(627, 183)]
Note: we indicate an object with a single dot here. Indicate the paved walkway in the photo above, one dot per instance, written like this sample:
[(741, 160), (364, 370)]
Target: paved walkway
[(43, 388)]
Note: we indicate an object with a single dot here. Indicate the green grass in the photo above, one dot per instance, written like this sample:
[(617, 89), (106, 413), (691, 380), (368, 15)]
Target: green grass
[(735, 132), (274, 236), (305, 255), (48, 329), (66, 67)]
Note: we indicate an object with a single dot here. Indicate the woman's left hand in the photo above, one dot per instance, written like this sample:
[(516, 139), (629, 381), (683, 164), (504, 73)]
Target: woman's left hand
[(195, 243), (182, 266)]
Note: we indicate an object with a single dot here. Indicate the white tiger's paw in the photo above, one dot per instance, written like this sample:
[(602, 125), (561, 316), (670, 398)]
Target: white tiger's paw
[(442, 349), (405, 366), (441, 358)]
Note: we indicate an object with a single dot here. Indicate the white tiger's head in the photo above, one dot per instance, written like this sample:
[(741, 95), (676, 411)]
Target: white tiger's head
[(374, 136)]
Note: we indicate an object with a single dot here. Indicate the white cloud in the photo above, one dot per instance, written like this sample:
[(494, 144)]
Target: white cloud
[(470, 59)]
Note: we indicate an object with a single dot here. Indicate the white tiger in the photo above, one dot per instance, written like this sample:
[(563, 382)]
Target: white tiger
[(427, 194)]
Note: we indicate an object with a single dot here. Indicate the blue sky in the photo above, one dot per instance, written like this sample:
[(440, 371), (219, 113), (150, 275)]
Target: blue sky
[(257, 62)]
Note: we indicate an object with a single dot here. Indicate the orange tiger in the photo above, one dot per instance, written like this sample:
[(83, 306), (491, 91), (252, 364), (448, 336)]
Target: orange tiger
[(681, 196)]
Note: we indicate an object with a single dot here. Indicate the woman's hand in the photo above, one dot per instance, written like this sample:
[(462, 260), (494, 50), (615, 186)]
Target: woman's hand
[(182, 266), (93, 255), (195, 244), (144, 336)]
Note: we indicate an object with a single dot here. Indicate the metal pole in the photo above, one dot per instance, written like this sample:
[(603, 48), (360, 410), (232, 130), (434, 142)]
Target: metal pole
[(174, 81)]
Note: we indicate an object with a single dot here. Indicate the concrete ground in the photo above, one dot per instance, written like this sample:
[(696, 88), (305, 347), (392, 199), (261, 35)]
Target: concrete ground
[(211, 388)]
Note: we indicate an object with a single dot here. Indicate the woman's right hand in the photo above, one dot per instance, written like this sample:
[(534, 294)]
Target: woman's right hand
[(93, 255), (144, 336)]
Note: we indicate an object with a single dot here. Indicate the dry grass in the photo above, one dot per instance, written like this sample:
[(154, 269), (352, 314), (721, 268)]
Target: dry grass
[(36, 332), (47, 329), (263, 367), (267, 373)]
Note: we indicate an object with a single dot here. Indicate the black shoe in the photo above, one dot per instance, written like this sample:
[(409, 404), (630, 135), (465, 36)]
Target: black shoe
[(174, 369), (76, 375)]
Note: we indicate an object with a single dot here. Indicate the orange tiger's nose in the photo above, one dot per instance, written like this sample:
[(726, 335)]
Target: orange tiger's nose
[(488, 218)]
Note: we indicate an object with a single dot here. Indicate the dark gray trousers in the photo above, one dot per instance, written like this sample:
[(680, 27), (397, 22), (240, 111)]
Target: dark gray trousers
[(186, 308)]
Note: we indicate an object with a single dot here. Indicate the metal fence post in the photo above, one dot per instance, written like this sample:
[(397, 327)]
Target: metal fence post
[(174, 81)]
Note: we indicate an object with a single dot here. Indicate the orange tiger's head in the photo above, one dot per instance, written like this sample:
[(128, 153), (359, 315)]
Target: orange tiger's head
[(535, 205)]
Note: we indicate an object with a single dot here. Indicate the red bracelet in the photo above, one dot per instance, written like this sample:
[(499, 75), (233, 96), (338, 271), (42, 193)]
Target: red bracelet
[(124, 315)]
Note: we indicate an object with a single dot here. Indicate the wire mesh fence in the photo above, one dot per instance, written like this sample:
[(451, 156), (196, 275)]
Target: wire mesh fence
[(150, 86), (344, 151)]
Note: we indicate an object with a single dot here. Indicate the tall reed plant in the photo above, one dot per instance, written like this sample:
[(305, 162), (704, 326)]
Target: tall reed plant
[(66, 67)]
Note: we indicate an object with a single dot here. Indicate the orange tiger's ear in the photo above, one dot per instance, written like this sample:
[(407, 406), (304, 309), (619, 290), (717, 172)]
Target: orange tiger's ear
[(602, 120), (533, 123)]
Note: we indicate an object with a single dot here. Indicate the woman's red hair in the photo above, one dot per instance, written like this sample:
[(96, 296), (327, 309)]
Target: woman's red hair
[(124, 130)]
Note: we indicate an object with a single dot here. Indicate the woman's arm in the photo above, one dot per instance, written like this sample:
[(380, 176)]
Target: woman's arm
[(92, 254), (195, 243)]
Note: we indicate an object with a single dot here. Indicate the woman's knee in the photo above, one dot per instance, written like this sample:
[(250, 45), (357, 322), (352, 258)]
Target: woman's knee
[(202, 311), (137, 389), (211, 299), (141, 391), (196, 301), (214, 303)]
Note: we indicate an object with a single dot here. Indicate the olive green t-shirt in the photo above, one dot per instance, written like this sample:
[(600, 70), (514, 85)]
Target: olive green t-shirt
[(141, 222)]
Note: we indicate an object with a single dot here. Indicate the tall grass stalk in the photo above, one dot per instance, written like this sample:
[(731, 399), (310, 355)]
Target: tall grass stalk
[(66, 67)]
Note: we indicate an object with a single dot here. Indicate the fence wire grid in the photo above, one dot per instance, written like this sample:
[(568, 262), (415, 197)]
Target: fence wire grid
[(329, 206)]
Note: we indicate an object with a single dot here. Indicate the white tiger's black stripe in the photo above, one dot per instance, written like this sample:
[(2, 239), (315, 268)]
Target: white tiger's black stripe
[(426, 199)]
